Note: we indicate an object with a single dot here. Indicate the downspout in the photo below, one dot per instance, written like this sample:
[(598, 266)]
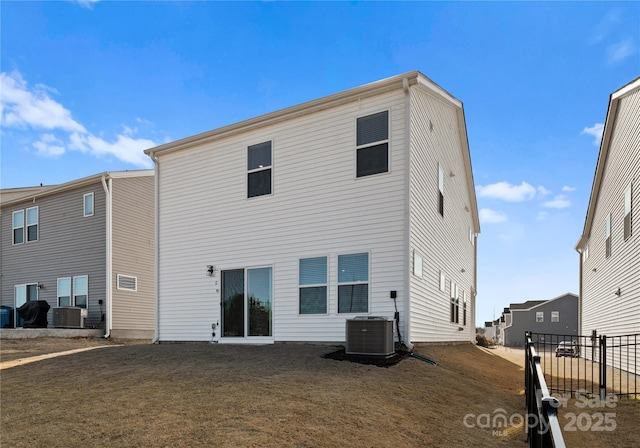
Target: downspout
[(156, 232), (407, 211), (107, 190)]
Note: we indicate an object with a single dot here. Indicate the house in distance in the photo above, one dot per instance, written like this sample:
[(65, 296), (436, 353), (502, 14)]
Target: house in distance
[(284, 226)]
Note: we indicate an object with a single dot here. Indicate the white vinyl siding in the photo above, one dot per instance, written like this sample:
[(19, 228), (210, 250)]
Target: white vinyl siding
[(320, 207), (601, 309), (443, 239)]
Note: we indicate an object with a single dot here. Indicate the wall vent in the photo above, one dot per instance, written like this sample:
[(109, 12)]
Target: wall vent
[(68, 317), (369, 335), (127, 282)]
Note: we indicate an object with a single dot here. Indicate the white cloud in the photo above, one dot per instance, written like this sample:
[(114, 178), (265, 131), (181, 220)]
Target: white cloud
[(620, 51), (49, 146), (86, 3), (22, 108), (507, 192), (542, 192), (491, 216), (560, 201), (568, 188), (596, 130)]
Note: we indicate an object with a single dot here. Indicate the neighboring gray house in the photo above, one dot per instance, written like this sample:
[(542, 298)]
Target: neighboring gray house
[(86, 244), (555, 316), (284, 226), (609, 246)]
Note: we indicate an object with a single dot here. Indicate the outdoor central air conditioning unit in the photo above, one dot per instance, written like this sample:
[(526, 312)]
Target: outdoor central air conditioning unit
[(68, 317), (368, 335)]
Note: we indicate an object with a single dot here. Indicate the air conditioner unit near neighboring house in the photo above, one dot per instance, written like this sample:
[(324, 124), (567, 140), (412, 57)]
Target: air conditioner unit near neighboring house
[(369, 335), (68, 317)]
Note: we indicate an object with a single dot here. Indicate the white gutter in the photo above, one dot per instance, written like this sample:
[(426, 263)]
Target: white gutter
[(107, 190), (156, 230)]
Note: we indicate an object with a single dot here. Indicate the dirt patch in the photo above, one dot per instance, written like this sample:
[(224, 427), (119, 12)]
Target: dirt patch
[(276, 395)]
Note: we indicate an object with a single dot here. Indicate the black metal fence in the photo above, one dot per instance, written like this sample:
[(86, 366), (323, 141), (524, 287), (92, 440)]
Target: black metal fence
[(596, 364), (542, 425)]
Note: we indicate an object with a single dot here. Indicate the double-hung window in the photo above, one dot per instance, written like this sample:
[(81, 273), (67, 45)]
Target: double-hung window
[(440, 190), (539, 316), (627, 212), (353, 283), (88, 204), (455, 303), (259, 169), (607, 236), (32, 224), (18, 227), (313, 285), (555, 316), (64, 291), (80, 291), (372, 141)]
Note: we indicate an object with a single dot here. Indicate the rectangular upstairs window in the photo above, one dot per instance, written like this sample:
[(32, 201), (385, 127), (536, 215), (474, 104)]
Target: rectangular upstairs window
[(88, 204), (607, 236), (259, 169), (539, 316), (372, 141), (440, 190), (555, 316), (627, 212), (313, 285), (18, 227), (32, 224)]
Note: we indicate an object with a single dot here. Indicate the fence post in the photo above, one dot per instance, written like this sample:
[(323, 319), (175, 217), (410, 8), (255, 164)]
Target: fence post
[(594, 340), (603, 367)]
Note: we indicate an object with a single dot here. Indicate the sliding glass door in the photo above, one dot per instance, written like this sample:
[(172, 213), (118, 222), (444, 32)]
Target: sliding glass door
[(247, 309)]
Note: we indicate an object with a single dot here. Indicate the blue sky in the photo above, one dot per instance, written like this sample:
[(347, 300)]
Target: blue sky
[(87, 86)]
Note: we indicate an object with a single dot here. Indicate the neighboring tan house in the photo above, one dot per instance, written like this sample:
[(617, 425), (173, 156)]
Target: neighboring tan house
[(283, 226), (609, 246), (61, 243), (555, 316)]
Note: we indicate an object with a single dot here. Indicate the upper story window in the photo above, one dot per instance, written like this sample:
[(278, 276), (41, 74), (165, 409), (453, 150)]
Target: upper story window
[(442, 281), (607, 236), (372, 141), (88, 204), (313, 285), (259, 169), (555, 316), (539, 316), (627, 212), (32, 224), (18, 227), (440, 190), (353, 283), (417, 264), (585, 253)]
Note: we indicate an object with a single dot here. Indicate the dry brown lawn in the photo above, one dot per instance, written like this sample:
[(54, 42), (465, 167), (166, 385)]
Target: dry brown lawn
[(190, 395)]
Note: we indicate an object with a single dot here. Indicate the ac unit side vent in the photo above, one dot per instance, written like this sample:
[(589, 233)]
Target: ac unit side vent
[(68, 317), (369, 336)]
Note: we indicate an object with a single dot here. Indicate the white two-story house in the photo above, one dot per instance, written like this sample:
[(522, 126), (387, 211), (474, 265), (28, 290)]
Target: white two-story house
[(283, 226), (609, 246)]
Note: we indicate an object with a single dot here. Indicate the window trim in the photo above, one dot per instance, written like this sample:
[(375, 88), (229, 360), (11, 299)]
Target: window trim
[(73, 290), (387, 141), (607, 236), (627, 213), (315, 285), (84, 205), (13, 228), (359, 282), (260, 169), (418, 266), (27, 225), (58, 291)]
